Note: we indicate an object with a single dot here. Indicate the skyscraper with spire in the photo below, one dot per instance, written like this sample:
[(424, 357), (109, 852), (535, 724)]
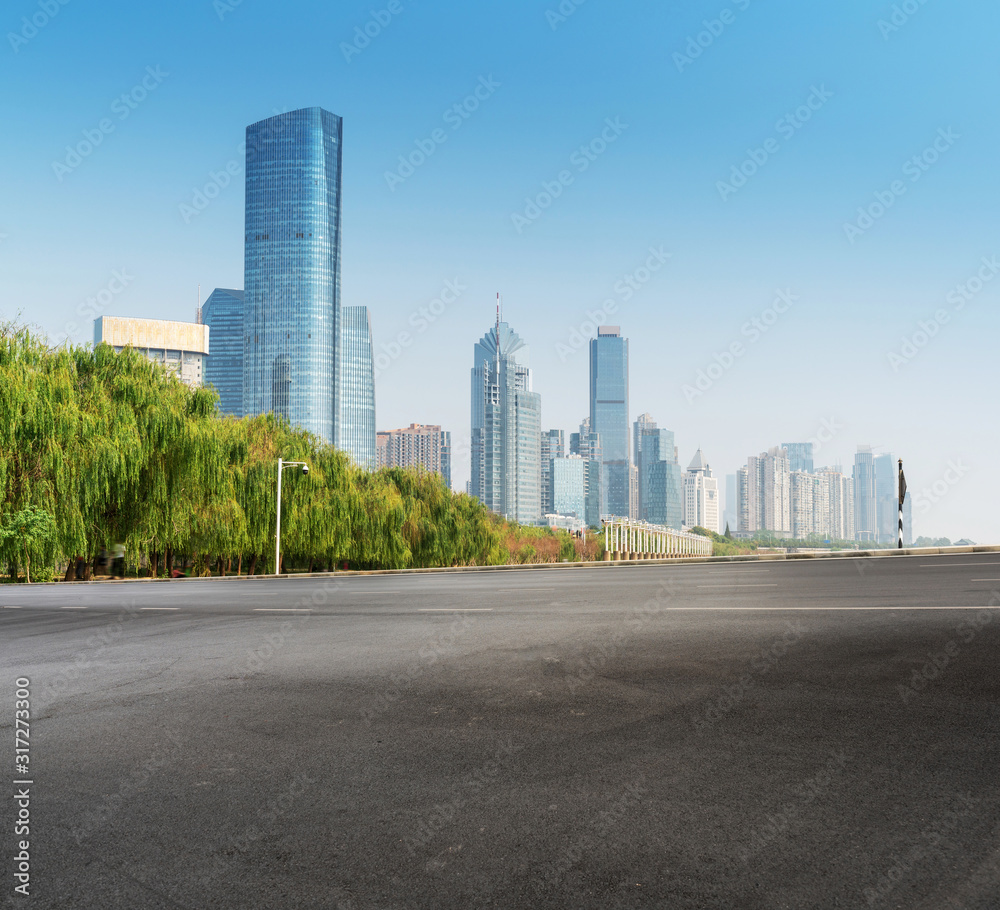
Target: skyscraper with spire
[(701, 495), (506, 427)]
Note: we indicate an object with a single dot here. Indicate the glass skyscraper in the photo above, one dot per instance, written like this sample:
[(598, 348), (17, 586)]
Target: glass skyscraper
[(800, 456), (357, 387), (609, 416), (223, 314), (661, 494), (292, 269), (506, 428), (865, 514)]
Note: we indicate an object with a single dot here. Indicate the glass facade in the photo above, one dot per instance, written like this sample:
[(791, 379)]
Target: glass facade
[(887, 499), (609, 416), (223, 314), (292, 269), (661, 499), (865, 518), (569, 484), (800, 456), (506, 428), (357, 387)]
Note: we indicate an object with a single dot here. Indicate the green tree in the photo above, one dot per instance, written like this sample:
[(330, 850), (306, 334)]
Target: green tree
[(26, 532)]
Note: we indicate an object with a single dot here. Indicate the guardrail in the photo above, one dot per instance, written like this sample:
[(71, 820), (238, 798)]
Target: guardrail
[(628, 539)]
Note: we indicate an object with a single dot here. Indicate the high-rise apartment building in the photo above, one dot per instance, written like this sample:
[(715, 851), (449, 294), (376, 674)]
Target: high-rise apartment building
[(609, 416), (701, 495), (506, 428), (800, 456), (223, 314), (660, 483), (292, 269), (416, 446), (553, 446), (356, 429), (839, 521), (180, 347), (865, 510), (765, 493)]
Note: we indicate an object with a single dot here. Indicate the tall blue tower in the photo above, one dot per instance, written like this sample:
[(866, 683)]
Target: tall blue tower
[(292, 269)]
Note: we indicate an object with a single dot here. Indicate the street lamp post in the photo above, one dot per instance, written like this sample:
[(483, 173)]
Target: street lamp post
[(277, 532)]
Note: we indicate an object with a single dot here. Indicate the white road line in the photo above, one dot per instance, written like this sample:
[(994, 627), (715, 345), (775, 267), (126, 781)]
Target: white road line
[(956, 565), (279, 610), (158, 608), (986, 579), (773, 585), (814, 609), (456, 610), (74, 608), (12, 607)]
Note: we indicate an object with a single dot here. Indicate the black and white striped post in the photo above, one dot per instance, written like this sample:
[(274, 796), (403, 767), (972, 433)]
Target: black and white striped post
[(902, 496)]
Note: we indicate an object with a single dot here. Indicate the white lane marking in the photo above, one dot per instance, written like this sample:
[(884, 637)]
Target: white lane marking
[(158, 608), (74, 608), (955, 565), (814, 609), (12, 607), (986, 579), (773, 585), (279, 610), (456, 610)]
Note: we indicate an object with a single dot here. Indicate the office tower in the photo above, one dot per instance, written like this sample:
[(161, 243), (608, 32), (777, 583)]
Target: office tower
[(701, 495), (416, 446), (292, 269), (180, 347), (356, 430), (609, 416), (506, 428), (660, 482), (865, 515), (839, 521), (223, 314), (800, 456), (887, 500), (569, 482), (730, 518), (588, 446), (765, 493), (553, 446)]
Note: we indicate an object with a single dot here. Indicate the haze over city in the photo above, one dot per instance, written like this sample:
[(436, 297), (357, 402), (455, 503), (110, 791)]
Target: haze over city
[(843, 101)]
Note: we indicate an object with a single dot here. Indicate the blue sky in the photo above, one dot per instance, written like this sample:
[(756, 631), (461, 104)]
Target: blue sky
[(823, 107)]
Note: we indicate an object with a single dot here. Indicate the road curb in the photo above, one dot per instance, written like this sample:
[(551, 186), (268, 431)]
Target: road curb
[(618, 564)]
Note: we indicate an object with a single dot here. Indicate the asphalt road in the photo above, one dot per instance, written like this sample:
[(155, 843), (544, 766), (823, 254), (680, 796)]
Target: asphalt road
[(752, 735)]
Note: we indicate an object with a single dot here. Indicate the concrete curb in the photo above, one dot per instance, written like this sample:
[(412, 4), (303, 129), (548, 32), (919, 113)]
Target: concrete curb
[(623, 563)]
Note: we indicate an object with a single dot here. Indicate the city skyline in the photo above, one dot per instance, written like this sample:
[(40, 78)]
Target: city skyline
[(858, 354)]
